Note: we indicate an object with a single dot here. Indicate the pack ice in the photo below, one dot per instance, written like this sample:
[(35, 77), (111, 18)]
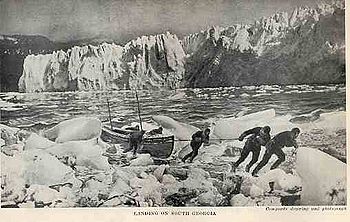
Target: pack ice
[(81, 128), (323, 178)]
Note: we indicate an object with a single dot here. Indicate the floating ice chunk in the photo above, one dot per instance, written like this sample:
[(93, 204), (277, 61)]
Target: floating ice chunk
[(13, 149), (323, 178), (112, 202), (245, 95), (44, 194), (210, 198), (233, 127), (229, 128), (82, 128), (280, 123), (179, 95), (29, 204), (87, 153), (208, 153), (330, 121), (120, 187), (180, 130), (262, 94), (35, 141), (147, 188), (8, 134), (158, 173), (123, 173), (43, 169), (33, 167), (270, 201), (142, 160), (256, 191), (281, 180), (310, 117), (240, 200), (168, 179), (11, 178)]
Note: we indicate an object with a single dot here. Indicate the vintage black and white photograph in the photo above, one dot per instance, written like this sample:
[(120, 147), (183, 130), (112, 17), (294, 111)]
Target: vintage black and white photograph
[(172, 103)]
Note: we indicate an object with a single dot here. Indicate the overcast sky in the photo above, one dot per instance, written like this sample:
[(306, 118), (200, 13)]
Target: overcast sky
[(121, 20)]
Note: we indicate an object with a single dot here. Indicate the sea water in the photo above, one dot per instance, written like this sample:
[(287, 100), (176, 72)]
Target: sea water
[(193, 106)]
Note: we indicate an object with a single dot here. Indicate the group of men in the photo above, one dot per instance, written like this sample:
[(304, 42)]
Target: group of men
[(256, 137)]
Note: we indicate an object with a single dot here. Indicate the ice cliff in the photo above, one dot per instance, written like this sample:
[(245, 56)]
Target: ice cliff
[(147, 62), (305, 46)]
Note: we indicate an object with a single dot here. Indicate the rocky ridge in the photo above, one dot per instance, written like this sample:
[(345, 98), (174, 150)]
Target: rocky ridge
[(307, 46)]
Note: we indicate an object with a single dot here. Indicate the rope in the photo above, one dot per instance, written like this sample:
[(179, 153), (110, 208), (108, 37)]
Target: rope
[(226, 139)]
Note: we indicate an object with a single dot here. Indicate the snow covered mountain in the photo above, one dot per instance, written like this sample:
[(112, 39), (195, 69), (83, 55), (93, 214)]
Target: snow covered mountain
[(307, 46)]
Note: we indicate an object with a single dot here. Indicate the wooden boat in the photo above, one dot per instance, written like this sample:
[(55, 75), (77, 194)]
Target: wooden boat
[(158, 146)]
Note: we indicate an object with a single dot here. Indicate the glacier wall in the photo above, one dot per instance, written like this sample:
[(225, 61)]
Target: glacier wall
[(147, 62)]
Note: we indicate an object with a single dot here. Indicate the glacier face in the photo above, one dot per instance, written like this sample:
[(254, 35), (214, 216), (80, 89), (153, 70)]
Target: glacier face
[(147, 62), (307, 46)]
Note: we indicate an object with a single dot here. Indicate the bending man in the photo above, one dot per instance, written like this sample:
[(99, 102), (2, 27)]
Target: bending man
[(284, 139), (198, 139), (259, 136)]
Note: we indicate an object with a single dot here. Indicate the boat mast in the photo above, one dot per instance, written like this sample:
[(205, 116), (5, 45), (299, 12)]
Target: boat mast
[(138, 109), (109, 114)]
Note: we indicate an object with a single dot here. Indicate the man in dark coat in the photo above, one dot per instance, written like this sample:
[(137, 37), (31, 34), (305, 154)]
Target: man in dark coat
[(258, 136), (135, 140), (198, 139), (284, 139)]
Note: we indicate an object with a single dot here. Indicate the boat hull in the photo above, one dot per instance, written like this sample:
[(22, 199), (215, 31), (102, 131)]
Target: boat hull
[(158, 147)]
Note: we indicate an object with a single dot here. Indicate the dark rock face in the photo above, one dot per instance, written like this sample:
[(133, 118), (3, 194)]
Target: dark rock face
[(13, 50), (306, 47)]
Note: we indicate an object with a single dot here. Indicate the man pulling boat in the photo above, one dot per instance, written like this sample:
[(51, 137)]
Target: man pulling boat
[(198, 139)]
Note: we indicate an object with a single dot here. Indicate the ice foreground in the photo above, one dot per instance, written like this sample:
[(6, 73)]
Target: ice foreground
[(81, 170), (323, 183)]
